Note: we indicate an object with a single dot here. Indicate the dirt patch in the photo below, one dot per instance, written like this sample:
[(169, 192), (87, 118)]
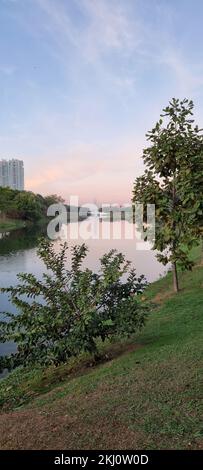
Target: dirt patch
[(64, 422), (162, 297), (35, 430)]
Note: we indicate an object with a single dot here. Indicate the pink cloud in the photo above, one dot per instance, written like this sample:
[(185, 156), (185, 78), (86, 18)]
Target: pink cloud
[(107, 177)]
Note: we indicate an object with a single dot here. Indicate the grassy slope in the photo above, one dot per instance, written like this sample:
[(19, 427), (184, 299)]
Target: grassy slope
[(147, 397)]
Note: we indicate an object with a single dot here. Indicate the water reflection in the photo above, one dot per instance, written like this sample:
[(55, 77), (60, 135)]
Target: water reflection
[(21, 239)]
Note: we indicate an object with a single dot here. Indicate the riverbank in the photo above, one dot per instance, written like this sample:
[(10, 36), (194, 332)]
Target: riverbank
[(10, 225), (145, 395), (7, 225)]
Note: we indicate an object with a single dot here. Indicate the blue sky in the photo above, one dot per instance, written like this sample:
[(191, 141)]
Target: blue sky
[(83, 80)]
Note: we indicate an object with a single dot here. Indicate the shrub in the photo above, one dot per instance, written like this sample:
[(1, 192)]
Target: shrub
[(67, 311)]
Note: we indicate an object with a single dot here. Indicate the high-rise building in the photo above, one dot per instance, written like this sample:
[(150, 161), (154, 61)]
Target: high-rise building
[(4, 177), (12, 174)]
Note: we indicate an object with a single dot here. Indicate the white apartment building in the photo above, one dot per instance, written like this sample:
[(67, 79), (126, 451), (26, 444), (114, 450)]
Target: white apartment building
[(12, 174)]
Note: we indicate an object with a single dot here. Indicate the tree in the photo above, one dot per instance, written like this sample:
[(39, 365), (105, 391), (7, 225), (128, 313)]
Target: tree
[(7, 202), (67, 311), (28, 205), (173, 182), (53, 199)]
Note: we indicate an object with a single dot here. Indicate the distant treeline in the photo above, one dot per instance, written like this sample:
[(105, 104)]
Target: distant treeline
[(25, 205)]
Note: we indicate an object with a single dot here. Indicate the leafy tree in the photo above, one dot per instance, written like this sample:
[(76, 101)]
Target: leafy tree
[(53, 199), (69, 310), (173, 182), (7, 202), (28, 205)]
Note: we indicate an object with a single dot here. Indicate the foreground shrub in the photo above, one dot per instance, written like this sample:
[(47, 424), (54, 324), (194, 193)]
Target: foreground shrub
[(67, 311)]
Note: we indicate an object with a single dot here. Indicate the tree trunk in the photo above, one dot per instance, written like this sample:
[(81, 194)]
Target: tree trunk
[(175, 277), (174, 265)]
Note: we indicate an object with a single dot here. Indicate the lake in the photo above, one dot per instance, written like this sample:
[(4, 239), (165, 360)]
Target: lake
[(18, 253)]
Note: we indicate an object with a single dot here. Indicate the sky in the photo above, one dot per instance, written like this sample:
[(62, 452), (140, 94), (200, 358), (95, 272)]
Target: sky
[(82, 81)]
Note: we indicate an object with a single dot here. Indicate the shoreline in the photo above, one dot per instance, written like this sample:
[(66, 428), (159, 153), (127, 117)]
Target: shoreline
[(7, 225)]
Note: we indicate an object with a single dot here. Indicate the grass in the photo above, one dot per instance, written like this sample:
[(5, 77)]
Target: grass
[(11, 224), (147, 395)]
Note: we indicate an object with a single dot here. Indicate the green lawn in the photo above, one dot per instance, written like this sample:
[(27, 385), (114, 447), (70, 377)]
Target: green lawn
[(147, 396)]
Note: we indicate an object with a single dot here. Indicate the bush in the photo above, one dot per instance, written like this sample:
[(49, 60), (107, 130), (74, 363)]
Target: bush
[(67, 311)]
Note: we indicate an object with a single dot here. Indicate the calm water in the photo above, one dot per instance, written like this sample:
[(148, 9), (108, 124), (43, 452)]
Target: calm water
[(18, 253)]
